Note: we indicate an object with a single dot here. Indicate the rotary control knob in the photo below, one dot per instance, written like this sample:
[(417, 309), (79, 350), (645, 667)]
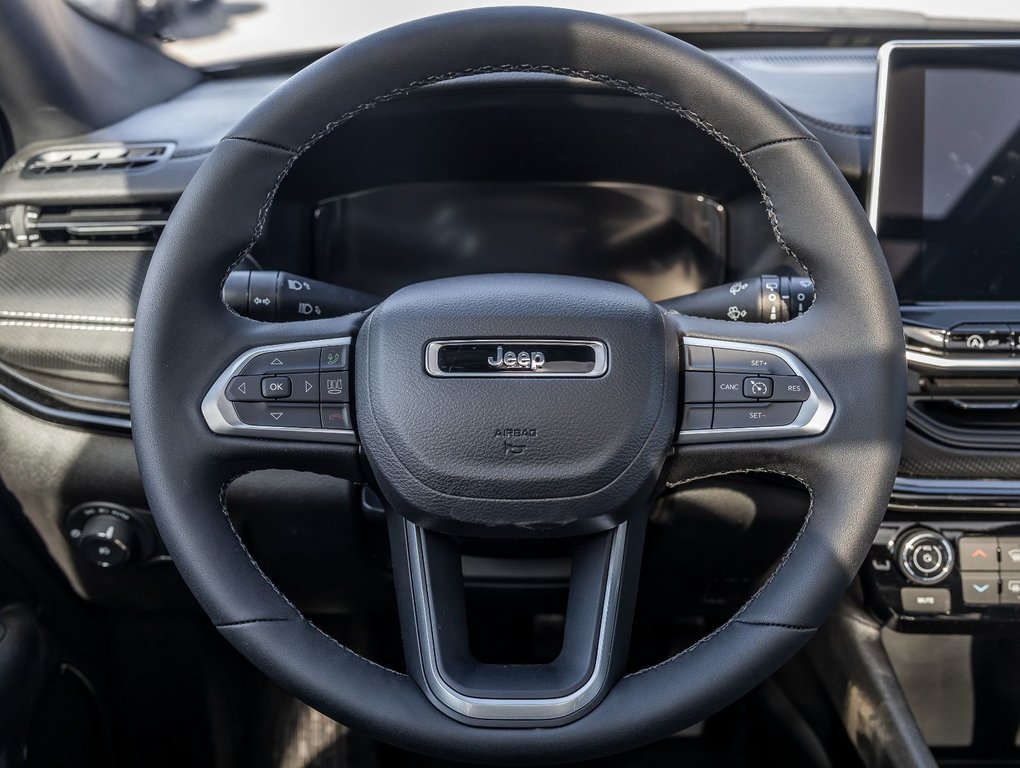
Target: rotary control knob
[(108, 541), (926, 557)]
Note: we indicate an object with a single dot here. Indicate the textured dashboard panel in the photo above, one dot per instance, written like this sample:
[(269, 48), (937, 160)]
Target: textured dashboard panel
[(925, 458), (70, 312)]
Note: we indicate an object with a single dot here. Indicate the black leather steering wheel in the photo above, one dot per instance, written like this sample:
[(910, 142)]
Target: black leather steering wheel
[(516, 406)]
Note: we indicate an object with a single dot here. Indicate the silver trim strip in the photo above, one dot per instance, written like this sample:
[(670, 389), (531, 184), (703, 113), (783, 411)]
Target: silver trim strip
[(222, 418), (962, 363), (882, 93), (924, 486), (813, 418), (513, 709), (601, 364)]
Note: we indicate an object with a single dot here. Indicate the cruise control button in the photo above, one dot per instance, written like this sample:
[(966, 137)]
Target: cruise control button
[(791, 389), (697, 417), (272, 363), (334, 358), (758, 388), (698, 387), (334, 387), (729, 388), (278, 415), (1009, 546), (305, 388), (244, 389), (699, 358), (978, 553), (980, 588), (765, 415), (336, 417), (925, 600), (742, 361), (275, 387)]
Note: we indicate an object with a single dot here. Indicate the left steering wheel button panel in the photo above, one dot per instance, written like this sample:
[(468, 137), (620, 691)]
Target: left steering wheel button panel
[(282, 393), (279, 415)]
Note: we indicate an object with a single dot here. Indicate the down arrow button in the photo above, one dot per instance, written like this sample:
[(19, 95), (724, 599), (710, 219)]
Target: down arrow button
[(279, 415)]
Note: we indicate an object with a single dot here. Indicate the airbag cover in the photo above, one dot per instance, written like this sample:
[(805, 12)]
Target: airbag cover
[(497, 454)]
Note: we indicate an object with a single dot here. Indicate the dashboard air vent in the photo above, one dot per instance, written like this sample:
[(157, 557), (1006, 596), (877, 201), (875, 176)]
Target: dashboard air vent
[(98, 225), (89, 159)]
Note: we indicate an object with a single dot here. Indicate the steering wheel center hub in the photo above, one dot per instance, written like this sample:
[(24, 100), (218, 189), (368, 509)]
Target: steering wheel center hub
[(516, 402)]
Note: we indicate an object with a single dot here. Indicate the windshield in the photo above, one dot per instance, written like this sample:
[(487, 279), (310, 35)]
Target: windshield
[(208, 32)]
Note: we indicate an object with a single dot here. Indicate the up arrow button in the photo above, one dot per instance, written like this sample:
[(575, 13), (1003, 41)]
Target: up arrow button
[(286, 361)]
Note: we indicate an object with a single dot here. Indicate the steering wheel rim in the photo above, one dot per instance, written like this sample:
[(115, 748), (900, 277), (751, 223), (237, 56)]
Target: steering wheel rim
[(850, 339)]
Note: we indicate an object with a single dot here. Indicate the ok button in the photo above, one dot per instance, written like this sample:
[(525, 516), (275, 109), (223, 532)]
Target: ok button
[(274, 387)]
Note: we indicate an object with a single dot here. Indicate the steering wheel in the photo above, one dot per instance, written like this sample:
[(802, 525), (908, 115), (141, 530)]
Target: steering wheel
[(517, 407)]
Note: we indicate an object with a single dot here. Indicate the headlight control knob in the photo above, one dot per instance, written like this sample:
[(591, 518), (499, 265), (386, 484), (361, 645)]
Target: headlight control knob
[(925, 556), (108, 541)]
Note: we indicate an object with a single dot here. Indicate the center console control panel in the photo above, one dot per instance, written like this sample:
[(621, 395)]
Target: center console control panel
[(298, 391), (947, 573)]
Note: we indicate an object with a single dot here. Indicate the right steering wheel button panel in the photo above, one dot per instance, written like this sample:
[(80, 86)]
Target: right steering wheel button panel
[(736, 390)]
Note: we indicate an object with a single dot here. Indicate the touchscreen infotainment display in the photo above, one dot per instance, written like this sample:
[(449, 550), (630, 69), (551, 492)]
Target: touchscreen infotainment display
[(945, 198)]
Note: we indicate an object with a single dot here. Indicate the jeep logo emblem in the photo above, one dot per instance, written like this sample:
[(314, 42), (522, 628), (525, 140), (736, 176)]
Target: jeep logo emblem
[(524, 360), (520, 357)]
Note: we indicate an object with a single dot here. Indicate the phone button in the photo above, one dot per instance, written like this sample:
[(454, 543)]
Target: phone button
[(335, 417)]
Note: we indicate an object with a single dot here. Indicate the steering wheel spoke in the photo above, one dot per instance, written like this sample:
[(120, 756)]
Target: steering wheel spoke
[(431, 592)]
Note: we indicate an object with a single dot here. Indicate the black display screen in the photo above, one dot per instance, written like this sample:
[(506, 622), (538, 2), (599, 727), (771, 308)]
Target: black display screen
[(946, 198), (660, 241)]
